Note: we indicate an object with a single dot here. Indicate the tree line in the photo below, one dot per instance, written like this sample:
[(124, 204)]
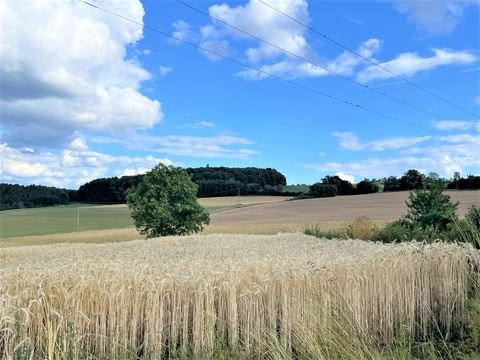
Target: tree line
[(411, 180), (211, 181), (19, 196), (224, 181)]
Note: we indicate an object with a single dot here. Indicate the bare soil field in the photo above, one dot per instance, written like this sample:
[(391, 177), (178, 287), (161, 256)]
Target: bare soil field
[(381, 206)]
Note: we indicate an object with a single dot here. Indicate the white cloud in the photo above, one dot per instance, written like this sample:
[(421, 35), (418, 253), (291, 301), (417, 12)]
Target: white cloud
[(445, 155), (454, 124), (351, 141), (255, 18), (70, 168), (217, 146), (349, 178), (164, 70), (291, 68), (55, 96), (183, 31), (408, 64), (434, 17)]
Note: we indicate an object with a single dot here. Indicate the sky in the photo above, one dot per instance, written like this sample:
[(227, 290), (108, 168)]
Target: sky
[(86, 94)]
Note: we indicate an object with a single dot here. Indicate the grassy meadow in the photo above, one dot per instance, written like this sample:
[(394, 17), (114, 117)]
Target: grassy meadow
[(63, 219), (286, 296)]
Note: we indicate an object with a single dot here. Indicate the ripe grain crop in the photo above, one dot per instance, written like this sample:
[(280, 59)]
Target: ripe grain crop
[(261, 296)]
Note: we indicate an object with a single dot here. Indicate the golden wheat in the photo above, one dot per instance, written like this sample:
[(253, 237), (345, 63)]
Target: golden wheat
[(255, 294)]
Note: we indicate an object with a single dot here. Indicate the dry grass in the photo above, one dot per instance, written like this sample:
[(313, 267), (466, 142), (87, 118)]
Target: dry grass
[(263, 296)]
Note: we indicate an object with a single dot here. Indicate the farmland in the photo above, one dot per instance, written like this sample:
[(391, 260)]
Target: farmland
[(244, 215), (231, 296)]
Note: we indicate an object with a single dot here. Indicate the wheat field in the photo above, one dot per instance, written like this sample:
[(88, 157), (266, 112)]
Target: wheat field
[(257, 296)]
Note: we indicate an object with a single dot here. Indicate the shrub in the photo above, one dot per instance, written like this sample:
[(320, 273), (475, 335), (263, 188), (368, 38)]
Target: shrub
[(396, 231), (315, 230), (463, 231), (473, 216), (362, 228), (431, 208)]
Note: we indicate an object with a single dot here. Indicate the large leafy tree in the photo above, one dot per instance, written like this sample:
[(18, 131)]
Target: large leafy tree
[(165, 203)]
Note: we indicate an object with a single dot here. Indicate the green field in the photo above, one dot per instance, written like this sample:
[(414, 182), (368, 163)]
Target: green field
[(74, 218), (63, 219)]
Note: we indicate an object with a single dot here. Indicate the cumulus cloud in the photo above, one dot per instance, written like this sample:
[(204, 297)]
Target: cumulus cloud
[(346, 177), (450, 153), (69, 168), (64, 69), (408, 64), (350, 141), (434, 17), (217, 146), (455, 124), (164, 70)]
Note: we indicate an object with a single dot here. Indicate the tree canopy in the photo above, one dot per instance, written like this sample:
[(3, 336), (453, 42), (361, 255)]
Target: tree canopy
[(165, 203)]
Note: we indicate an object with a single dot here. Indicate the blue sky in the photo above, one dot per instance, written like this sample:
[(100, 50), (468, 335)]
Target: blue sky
[(87, 95)]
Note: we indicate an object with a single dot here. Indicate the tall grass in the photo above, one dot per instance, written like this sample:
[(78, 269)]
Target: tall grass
[(283, 296)]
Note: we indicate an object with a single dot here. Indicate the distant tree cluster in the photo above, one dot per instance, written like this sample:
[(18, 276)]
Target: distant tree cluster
[(223, 181), (107, 190), (18, 196), (211, 181), (471, 182), (334, 185), (414, 179)]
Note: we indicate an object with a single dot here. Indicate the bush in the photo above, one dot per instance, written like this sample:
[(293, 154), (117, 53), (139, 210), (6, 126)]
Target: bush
[(431, 208), (319, 190), (396, 231), (473, 216), (362, 228), (315, 230), (400, 231), (164, 203), (463, 231)]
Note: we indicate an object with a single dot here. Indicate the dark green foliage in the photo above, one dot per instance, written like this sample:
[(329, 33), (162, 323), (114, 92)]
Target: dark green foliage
[(223, 181), (391, 183), (367, 187), (165, 203), (471, 182), (412, 179), (431, 208), (107, 190), (473, 216), (211, 181), (343, 187), (18, 196), (318, 190)]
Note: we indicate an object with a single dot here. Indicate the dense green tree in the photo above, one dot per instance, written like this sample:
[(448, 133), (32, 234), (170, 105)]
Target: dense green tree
[(367, 187), (431, 208), (164, 203), (392, 183), (344, 187), (412, 179), (319, 190), (19, 196)]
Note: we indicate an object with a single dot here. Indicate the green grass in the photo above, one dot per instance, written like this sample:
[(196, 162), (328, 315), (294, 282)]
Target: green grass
[(62, 219)]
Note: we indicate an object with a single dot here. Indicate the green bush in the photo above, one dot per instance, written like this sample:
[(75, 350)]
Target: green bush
[(315, 230), (401, 230), (431, 208), (473, 216)]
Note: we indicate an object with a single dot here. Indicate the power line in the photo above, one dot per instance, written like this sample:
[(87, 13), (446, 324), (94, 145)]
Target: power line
[(291, 82), (325, 67), (345, 47)]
